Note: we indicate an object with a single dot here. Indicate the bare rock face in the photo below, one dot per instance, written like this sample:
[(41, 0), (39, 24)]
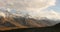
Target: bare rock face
[(23, 22)]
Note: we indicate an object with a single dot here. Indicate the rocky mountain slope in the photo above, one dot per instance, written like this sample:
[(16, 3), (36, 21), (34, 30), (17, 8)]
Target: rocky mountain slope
[(22, 22)]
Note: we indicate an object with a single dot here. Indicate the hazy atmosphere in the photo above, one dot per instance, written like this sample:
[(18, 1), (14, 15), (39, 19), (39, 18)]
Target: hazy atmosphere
[(30, 13), (34, 8)]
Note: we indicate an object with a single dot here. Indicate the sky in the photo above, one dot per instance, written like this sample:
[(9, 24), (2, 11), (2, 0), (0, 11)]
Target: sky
[(34, 8), (56, 7)]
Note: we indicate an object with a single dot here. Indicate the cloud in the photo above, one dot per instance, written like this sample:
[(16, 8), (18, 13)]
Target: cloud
[(2, 14), (27, 4), (32, 7), (51, 14)]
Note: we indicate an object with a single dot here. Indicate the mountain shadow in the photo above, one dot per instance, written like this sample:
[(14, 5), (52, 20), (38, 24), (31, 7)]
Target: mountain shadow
[(55, 28)]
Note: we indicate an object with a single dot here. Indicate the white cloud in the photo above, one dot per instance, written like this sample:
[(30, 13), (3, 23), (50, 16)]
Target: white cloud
[(33, 7), (27, 4), (2, 14)]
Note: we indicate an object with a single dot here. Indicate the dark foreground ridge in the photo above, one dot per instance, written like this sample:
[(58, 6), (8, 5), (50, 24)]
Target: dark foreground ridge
[(55, 28), (31, 25)]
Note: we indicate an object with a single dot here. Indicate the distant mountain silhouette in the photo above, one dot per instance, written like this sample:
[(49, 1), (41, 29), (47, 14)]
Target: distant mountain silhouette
[(57, 25), (23, 22), (55, 28)]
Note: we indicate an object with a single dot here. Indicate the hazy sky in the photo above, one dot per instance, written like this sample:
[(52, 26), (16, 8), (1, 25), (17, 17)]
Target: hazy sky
[(35, 8)]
